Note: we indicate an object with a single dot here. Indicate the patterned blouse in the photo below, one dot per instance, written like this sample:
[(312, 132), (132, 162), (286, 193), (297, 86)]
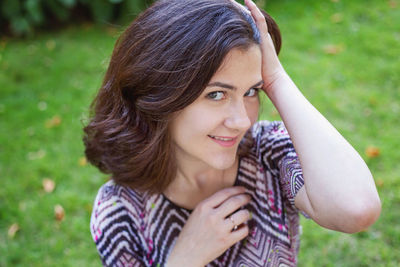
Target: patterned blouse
[(138, 229)]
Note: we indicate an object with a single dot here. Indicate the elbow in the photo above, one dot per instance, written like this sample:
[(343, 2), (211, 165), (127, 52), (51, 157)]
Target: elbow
[(361, 217)]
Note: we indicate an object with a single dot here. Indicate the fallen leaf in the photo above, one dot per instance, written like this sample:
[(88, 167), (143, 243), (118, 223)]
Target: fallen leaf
[(5, 65), (337, 17), (48, 185), (372, 152), (37, 155), (393, 3), (89, 208), (373, 101), (32, 49), (3, 44), (59, 212), (332, 49), (82, 161), (87, 26), (42, 105), (30, 131), (51, 44), (14, 228), (53, 122), (367, 112), (112, 31), (22, 206), (379, 182), (48, 61)]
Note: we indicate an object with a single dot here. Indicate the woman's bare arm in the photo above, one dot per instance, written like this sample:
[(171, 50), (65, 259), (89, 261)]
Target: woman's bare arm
[(339, 192)]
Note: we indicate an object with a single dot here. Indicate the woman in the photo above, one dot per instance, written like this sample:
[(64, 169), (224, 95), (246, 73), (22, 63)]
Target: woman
[(195, 179)]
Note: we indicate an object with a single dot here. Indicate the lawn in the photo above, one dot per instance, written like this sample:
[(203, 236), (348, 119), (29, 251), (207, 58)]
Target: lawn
[(343, 55)]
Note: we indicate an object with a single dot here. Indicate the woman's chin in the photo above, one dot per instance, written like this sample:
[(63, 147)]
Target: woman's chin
[(223, 163)]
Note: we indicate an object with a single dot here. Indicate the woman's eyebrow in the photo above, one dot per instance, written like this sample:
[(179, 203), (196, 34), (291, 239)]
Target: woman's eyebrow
[(231, 87)]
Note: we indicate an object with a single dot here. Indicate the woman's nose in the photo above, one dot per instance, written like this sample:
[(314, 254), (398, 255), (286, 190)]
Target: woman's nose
[(238, 118)]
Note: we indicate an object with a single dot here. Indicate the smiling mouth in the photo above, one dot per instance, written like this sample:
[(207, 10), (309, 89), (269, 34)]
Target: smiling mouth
[(223, 140)]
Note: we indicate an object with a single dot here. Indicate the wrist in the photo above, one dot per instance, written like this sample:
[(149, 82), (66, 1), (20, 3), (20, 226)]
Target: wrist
[(276, 82), (180, 263), (175, 260)]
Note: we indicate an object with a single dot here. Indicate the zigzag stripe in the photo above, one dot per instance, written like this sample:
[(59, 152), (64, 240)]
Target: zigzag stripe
[(257, 249), (137, 202), (125, 259), (137, 229)]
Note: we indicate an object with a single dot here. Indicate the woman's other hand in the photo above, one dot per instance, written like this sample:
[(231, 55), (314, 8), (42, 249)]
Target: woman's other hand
[(209, 231), (272, 69)]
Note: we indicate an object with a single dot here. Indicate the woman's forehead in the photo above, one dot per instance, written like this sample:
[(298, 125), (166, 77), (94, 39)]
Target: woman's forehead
[(240, 66)]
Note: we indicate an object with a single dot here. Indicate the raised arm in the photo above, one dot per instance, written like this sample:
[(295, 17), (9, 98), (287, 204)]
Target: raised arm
[(339, 192)]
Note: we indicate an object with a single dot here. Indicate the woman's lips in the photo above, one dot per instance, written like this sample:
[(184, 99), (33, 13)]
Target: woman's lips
[(224, 141)]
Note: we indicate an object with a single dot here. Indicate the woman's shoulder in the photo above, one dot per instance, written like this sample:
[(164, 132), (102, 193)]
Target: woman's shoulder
[(270, 144), (111, 192), (115, 222), (107, 191), (266, 134), (115, 202), (267, 128)]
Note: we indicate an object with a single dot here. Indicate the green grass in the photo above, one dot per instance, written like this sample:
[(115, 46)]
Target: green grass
[(38, 83), (57, 74)]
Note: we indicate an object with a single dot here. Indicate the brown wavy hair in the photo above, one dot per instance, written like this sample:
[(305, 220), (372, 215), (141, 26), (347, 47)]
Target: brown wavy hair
[(160, 64)]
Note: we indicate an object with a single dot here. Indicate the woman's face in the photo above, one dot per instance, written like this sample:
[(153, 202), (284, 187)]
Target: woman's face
[(209, 130)]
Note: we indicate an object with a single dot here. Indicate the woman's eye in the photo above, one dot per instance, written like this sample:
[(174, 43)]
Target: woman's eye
[(252, 92), (217, 95)]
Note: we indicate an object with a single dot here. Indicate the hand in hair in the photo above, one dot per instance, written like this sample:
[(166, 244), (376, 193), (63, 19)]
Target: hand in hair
[(240, 6), (272, 69), (210, 229)]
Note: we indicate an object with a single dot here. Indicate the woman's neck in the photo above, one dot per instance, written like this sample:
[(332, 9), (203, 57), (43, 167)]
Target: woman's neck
[(195, 183)]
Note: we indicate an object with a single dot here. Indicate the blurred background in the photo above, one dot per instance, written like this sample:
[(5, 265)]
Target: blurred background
[(343, 55)]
